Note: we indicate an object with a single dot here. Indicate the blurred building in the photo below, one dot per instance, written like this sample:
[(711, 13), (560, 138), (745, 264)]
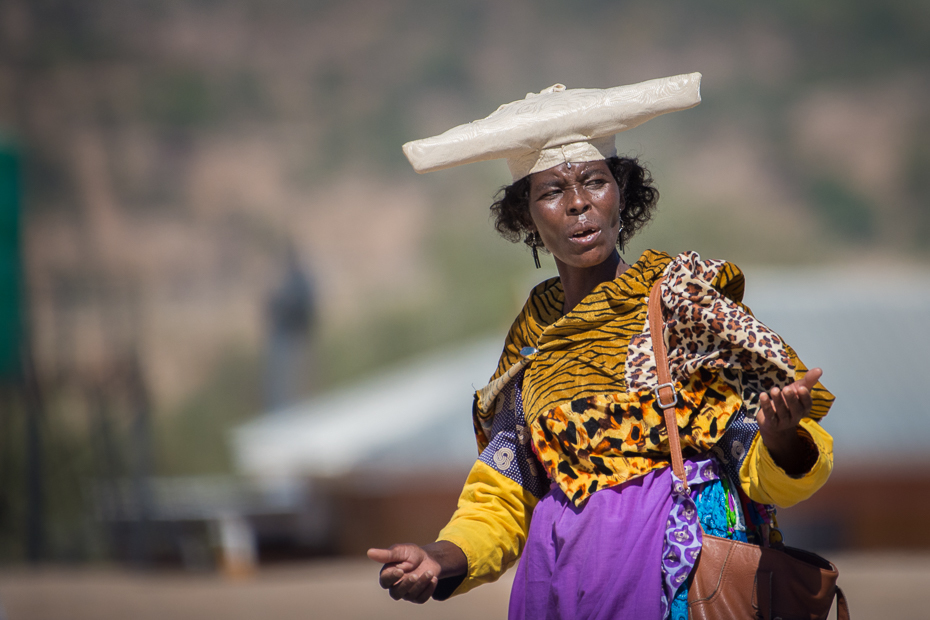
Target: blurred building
[(389, 453)]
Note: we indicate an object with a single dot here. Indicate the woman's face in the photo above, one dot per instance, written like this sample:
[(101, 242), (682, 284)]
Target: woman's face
[(576, 211)]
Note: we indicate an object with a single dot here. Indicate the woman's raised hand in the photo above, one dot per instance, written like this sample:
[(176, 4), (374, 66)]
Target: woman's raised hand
[(409, 573), (780, 412)]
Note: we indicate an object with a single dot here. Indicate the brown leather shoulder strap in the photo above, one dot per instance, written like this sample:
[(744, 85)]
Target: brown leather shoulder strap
[(842, 608), (666, 396)]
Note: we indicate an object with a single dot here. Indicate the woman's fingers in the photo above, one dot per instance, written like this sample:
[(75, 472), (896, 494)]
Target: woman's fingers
[(782, 409), (428, 591), (795, 411), (799, 401), (389, 576), (412, 587), (779, 406), (421, 589), (786, 408), (397, 562), (399, 590), (765, 402), (776, 408), (807, 401), (380, 555), (409, 572), (397, 553), (811, 378), (767, 409)]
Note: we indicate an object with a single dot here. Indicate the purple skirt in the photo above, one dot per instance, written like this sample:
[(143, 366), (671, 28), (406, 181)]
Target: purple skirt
[(598, 562)]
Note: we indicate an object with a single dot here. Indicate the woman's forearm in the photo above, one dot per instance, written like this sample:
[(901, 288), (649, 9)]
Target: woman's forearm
[(791, 451), (449, 556)]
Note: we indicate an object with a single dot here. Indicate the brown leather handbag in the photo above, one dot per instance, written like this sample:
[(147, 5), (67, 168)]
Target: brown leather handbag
[(734, 579)]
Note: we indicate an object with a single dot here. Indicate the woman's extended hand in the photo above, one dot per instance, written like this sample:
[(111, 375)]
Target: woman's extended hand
[(412, 572), (409, 573), (780, 412)]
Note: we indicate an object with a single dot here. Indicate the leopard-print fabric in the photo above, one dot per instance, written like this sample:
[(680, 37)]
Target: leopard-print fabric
[(601, 441), (704, 328)]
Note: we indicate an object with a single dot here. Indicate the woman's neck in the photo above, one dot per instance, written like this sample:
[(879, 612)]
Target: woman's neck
[(578, 282)]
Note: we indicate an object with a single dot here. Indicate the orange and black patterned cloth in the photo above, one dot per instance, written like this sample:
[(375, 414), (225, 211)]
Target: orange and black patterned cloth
[(588, 390)]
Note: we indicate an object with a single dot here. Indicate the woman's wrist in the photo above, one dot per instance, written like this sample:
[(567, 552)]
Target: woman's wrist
[(450, 558), (792, 450)]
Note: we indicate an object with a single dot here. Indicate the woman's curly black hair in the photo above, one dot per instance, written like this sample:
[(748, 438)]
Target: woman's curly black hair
[(638, 201)]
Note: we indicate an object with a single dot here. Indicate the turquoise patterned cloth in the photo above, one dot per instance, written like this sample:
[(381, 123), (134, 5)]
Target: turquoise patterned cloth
[(712, 513)]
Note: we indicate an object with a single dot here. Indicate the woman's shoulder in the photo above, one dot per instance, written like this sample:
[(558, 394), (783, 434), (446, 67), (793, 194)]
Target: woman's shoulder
[(542, 308), (544, 303), (723, 275)]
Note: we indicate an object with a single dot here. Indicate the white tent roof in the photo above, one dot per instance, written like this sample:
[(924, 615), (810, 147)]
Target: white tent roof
[(416, 415), (869, 332)]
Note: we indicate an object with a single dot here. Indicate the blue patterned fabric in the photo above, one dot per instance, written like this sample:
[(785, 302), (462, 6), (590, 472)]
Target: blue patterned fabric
[(509, 450), (711, 501)]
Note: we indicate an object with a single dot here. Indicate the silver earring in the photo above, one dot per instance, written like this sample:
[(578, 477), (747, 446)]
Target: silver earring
[(620, 237)]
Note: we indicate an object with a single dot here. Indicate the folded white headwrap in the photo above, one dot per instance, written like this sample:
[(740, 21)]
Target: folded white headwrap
[(555, 126)]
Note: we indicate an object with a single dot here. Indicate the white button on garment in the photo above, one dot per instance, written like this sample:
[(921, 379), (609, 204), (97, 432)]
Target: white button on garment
[(737, 450), (503, 458)]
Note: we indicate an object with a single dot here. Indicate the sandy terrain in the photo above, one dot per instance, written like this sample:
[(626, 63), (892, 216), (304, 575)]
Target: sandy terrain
[(878, 586)]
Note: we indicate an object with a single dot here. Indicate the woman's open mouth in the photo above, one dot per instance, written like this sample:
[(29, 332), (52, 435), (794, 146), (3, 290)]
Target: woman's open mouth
[(585, 235)]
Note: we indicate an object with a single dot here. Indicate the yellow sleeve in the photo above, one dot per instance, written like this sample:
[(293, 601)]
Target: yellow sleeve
[(490, 525), (767, 483), (761, 479)]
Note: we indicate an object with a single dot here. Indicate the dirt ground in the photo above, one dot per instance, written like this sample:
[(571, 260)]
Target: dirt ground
[(878, 586)]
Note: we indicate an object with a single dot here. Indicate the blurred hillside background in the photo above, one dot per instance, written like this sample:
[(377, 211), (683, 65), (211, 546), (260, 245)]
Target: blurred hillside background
[(189, 168)]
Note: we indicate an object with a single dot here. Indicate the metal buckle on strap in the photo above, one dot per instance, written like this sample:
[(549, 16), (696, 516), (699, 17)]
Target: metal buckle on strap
[(659, 398)]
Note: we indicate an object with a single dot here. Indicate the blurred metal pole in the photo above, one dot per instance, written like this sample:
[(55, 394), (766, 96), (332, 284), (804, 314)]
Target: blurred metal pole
[(142, 471), (35, 496), (108, 466)]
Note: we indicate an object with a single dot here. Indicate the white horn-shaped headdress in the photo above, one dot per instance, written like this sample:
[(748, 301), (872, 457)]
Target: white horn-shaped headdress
[(555, 126)]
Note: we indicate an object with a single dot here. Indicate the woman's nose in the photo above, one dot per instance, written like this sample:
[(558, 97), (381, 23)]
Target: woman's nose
[(577, 201)]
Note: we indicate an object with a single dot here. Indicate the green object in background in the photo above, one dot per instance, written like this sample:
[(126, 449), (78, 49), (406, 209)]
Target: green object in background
[(10, 263)]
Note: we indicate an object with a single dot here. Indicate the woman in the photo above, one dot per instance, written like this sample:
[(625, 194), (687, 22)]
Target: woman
[(573, 470)]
